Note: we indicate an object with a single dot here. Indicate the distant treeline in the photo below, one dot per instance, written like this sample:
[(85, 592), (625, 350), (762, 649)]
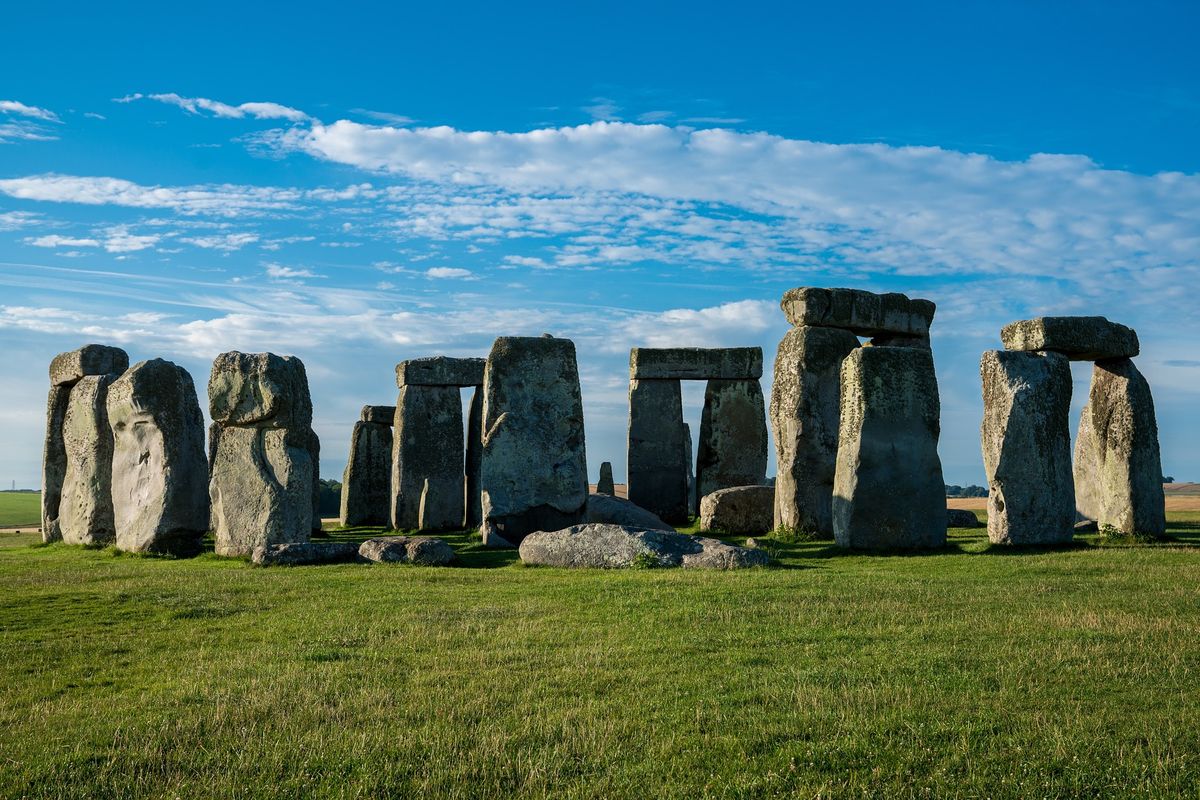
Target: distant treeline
[(965, 491)]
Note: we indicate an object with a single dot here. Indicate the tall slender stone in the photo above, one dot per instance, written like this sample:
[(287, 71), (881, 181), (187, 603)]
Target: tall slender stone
[(1027, 447), (473, 503), (689, 461), (314, 452), (366, 483), (427, 459), (657, 466), (605, 486), (733, 437), (85, 511)]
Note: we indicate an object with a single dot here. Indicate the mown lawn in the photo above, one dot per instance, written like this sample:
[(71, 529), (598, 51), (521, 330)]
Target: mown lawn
[(20, 508), (970, 673)]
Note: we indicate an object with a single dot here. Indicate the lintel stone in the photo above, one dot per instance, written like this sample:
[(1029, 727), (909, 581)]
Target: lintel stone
[(384, 415), (91, 359), (695, 363), (440, 371), (864, 313), (1078, 338)]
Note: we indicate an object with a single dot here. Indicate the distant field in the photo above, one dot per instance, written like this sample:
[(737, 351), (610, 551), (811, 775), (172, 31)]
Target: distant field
[(1179, 497), (20, 508)]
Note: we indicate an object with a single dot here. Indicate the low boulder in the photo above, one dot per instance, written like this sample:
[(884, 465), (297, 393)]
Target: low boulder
[(294, 554), (962, 518), (423, 550), (610, 510), (601, 546), (738, 510)]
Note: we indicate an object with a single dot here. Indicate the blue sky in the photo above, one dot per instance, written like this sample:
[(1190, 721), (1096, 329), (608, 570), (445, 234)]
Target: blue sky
[(367, 184)]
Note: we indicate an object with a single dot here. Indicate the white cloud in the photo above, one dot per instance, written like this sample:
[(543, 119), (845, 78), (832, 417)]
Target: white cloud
[(115, 240), (54, 240), (280, 272), (194, 105), (603, 108), (227, 242), (14, 107), (218, 199), (448, 272), (11, 220)]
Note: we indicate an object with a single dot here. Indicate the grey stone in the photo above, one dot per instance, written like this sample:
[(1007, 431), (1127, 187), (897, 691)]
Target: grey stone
[(261, 390), (615, 547), (427, 459), (888, 491), (380, 415), (85, 511), (54, 461), (534, 470), (898, 340), (657, 464), (695, 363), (864, 313), (1078, 338), (693, 502), (314, 453), (733, 437), (618, 511), (367, 482), (605, 485), (474, 461), (296, 554), (91, 359), (738, 510), (1118, 469), (804, 416), (159, 468), (1027, 447), (1087, 526), (421, 550), (962, 518), (440, 371)]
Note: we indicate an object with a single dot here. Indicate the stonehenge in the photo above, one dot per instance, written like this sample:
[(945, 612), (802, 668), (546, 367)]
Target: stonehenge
[(605, 485), (739, 510), (367, 482)]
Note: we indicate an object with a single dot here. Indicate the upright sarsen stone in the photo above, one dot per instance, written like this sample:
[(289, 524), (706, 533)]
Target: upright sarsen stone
[(85, 511), (733, 436), (1027, 447), (888, 491), (427, 459), (657, 465), (605, 485), (366, 484), (474, 460), (534, 467), (160, 471)]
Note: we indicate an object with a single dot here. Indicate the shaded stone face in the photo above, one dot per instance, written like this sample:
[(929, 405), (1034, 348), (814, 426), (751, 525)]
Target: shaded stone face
[(615, 547), (605, 486), (160, 471), (738, 510), (91, 359), (427, 459), (85, 511), (1078, 338), (618, 511), (314, 453), (1027, 447), (440, 371), (805, 399), (473, 503), (1118, 469), (261, 390), (534, 466), (888, 491), (658, 463), (383, 415), (695, 363), (733, 437), (864, 313), (367, 482)]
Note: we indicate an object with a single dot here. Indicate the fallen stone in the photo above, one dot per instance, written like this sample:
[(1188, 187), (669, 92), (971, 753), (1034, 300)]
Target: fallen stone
[(615, 547), (864, 313), (296, 554), (440, 371), (380, 415), (420, 550), (733, 437), (1078, 338), (427, 459), (91, 359), (962, 518), (367, 482), (603, 508), (85, 511), (738, 510), (605, 486), (260, 390), (657, 463), (695, 363)]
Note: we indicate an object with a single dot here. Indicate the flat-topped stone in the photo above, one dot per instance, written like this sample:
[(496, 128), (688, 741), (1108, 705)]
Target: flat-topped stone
[(865, 313), (600, 546), (383, 415), (298, 554), (695, 363), (1078, 338), (260, 390), (440, 371), (423, 550), (91, 359)]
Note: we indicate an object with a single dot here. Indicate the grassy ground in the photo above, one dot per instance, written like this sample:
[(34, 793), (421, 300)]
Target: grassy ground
[(975, 672), (20, 508)]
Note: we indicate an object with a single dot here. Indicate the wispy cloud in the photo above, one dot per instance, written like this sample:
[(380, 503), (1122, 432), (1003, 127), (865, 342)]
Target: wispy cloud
[(18, 108), (449, 272), (196, 105)]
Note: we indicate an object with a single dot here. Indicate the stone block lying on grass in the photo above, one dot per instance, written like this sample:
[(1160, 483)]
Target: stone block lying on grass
[(424, 550), (603, 508), (962, 518), (293, 554), (739, 509), (616, 547)]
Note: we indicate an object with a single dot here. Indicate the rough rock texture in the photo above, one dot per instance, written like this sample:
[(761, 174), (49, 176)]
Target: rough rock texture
[(804, 417), (738, 510), (427, 459), (85, 511), (1027, 447), (614, 547), (159, 468), (605, 486), (314, 453), (617, 511), (1118, 471), (888, 491), (422, 550), (733, 437), (380, 415), (473, 503), (295, 554), (695, 363), (92, 359), (864, 313), (689, 460), (657, 464), (962, 518), (262, 390), (367, 481), (534, 471), (440, 371), (899, 340), (1078, 338)]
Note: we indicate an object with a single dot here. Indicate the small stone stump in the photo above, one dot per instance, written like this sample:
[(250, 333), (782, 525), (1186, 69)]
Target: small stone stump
[(738, 510)]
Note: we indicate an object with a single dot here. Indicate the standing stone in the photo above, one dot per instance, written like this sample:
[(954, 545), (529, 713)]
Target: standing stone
[(159, 469), (693, 502), (314, 452), (1027, 447), (534, 470), (605, 486), (1118, 470), (805, 398), (85, 511), (657, 466), (888, 491), (733, 437), (473, 502), (367, 482), (427, 459)]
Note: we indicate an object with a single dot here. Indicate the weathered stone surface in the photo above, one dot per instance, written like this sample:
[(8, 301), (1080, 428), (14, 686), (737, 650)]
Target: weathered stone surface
[(1027, 447), (381, 415), (367, 481), (657, 464), (427, 459), (440, 371), (91, 359), (804, 416), (962, 518), (733, 437), (54, 461), (689, 460), (159, 468), (888, 491), (1078, 338), (614, 547), (260, 390), (314, 453), (1118, 470), (898, 340), (534, 470), (695, 363), (296, 554), (618, 511), (864, 313), (85, 511), (423, 550), (605, 484), (738, 510), (473, 503)]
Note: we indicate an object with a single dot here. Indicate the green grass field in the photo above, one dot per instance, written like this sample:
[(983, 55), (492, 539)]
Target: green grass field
[(976, 672), (20, 508)]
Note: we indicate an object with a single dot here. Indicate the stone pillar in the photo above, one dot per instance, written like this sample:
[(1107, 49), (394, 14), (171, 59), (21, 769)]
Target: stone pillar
[(367, 482), (733, 437), (427, 459), (314, 453), (1118, 469), (605, 486), (689, 460), (805, 399), (85, 511), (160, 471), (888, 491), (657, 464), (1027, 447), (473, 502)]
